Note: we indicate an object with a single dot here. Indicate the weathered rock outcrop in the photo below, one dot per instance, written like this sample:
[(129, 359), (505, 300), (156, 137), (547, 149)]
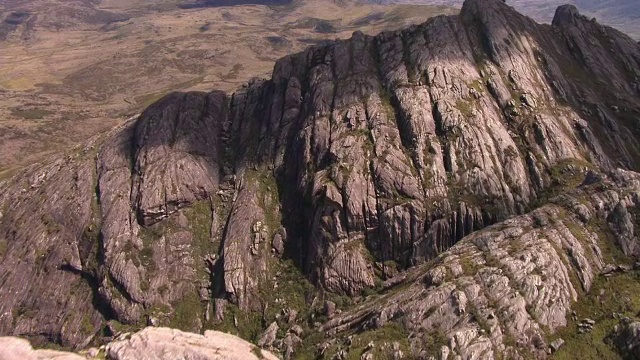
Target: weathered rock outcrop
[(163, 343), (150, 343), (627, 338), (12, 348), (359, 159), (45, 213), (508, 283)]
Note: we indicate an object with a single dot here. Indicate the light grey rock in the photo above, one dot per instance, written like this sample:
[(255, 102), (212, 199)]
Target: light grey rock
[(627, 338), (12, 348), (297, 329), (623, 224), (278, 244), (556, 345), (269, 336), (291, 343), (513, 275), (93, 352), (329, 308), (164, 343), (367, 356), (245, 247), (291, 315), (386, 149)]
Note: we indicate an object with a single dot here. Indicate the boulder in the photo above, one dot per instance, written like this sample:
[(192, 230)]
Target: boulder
[(165, 343), (12, 348)]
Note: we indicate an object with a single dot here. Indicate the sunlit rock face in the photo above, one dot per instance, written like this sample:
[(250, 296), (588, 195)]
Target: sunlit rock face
[(621, 14), (454, 166)]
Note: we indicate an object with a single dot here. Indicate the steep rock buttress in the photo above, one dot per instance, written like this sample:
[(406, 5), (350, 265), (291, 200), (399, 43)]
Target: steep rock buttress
[(359, 159)]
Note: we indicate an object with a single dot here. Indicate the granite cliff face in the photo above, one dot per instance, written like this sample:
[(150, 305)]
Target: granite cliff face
[(464, 180), (502, 289), (620, 14)]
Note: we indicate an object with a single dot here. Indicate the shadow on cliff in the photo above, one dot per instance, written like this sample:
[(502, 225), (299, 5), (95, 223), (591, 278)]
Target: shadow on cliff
[(493, 30)]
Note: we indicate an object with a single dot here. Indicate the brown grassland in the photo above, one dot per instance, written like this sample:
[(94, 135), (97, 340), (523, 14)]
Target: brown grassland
[(70, 69)]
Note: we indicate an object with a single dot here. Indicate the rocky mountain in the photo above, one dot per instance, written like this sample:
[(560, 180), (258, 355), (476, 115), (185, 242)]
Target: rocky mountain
[(71, 69), (621, 14), (464, 188)]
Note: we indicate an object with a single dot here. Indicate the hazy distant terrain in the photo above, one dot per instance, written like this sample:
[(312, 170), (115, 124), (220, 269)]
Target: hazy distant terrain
[(622, 14), (70, 69)]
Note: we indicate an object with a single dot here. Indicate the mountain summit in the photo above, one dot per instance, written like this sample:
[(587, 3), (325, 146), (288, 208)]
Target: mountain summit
[(456, 188), (621, 14)]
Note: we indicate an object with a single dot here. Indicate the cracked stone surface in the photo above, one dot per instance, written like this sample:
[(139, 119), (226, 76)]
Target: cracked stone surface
[(446, 160)]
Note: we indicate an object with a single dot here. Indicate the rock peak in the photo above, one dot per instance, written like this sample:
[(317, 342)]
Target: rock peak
[(565, 15), (483, 2), (468, 3), (475, 7)]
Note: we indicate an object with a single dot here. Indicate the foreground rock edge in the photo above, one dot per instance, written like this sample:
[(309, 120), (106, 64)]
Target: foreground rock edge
[(148, 344)]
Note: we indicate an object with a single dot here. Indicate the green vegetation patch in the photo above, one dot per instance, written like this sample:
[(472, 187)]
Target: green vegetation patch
[(478, 85), (268, 198), (292, 291), (308, 348), (250, 323), (51, 225), (620, 295), (91, 233), (200, 217), (434, 341), (257, 352), (293, 288), (187, 312), (385, 101), (611, 252), (6, 174), (148, 235), (382, 338), (387, 335), (86, 325), (565, 175), (3, 247), (121, 328), (469, 265), (465, 108), (31, 114)]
